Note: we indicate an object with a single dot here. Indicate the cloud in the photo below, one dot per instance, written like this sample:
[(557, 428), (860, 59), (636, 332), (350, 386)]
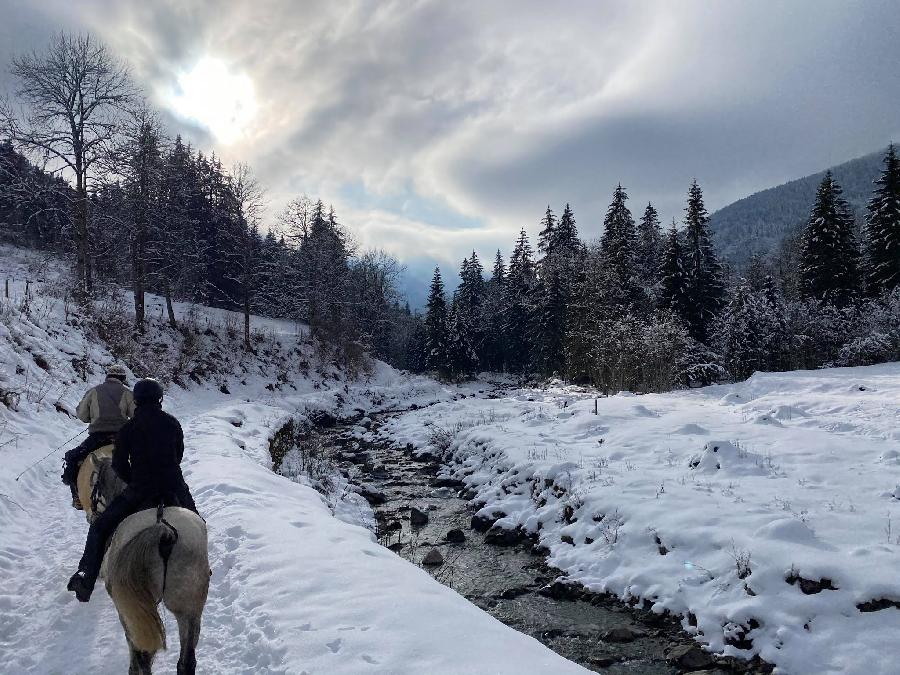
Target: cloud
[(437, 127)]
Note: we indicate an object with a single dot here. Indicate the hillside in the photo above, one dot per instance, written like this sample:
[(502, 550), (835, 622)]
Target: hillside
[(758, 223)]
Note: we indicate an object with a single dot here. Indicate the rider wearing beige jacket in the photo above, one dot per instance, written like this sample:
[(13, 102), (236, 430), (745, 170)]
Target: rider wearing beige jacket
[(105, 408)]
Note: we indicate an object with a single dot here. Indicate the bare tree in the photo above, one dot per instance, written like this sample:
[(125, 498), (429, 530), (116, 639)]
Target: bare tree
[(72, 97)]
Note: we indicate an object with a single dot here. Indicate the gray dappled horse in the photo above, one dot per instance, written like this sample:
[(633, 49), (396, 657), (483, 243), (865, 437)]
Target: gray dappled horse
[(155, 555)]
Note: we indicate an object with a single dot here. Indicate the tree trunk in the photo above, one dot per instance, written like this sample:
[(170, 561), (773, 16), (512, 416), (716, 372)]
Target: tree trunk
[(82, 264), (247, 321), (169, 308), (137, 272)]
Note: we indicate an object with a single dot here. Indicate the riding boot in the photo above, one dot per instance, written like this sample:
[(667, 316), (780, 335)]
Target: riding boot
[(82, 583)]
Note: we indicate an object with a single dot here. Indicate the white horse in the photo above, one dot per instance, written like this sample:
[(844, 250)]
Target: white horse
[(156, 555)]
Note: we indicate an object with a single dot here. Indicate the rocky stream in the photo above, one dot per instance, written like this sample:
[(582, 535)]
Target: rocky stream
[(429, 521)]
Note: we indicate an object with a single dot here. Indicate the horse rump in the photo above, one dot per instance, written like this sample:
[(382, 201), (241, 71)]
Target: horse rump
[(135, 582)]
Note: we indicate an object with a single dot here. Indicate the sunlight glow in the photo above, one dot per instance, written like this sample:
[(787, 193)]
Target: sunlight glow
[(222, 101)]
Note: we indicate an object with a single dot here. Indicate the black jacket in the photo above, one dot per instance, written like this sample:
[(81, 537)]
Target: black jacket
[(148, 454)]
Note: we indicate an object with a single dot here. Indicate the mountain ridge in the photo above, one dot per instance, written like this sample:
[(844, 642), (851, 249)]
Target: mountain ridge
[(757, 224)]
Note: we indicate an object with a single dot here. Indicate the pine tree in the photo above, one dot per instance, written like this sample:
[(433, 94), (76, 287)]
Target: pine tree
[(566, 233), (553, 292), (649, 248), (883, 228), (618, 245), (703, 272), (143, 189), (460, 350), (437, 348), (517, 306), (547, 235), (470, 305), (494, 350), (829, 258), (673, 290)]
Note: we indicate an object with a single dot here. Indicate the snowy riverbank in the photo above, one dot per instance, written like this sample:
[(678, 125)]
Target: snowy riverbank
[(763, 512)]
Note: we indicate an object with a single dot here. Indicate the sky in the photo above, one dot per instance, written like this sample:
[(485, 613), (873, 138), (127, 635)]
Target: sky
[(439, 128)]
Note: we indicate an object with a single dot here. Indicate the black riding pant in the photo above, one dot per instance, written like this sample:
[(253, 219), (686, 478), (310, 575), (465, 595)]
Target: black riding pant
[(75, 456), (129, 502)]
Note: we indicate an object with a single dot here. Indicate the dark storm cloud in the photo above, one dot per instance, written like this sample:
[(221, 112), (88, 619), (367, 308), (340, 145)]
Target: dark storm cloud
[(493, 110)]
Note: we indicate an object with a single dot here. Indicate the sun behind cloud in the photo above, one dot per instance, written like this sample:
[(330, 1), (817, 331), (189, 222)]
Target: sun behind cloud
[(212, 95)]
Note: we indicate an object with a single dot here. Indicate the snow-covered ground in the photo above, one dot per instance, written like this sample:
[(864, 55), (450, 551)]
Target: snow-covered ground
[(294, 589), (708, 502)]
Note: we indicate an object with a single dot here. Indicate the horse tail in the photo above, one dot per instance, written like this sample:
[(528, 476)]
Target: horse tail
[(132, 581)]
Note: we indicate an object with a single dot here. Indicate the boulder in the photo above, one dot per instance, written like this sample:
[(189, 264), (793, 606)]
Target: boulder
[(433, 558), (456, 536), (689, 657), (417, 517), (372, 495), (499, 536)]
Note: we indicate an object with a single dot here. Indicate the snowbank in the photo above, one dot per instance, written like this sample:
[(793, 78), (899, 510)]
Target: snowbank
[(764, 513)]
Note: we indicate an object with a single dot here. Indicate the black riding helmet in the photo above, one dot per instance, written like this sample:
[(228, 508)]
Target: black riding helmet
[(147, 390)]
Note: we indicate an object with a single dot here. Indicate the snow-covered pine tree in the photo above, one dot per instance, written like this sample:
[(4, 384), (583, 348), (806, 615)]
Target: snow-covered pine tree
[(470, 305), (648, 250), (673, 290), (883, 228), (748, 332), (494, 351), (553, 291), (461, 351), (829, 256), (549, 319), (703, 271), (547, 234), (437, 339), (618, 246), (518, 305), (565, 237), (581, 317)]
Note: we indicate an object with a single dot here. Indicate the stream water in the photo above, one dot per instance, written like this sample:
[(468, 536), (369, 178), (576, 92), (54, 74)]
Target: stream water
[(512, 583)]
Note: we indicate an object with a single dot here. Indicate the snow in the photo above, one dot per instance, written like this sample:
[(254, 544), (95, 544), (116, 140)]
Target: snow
[(671, 496), (294, 589)]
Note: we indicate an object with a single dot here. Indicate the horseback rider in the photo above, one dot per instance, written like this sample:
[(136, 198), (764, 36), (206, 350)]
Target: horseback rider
[(106, 408), (149, 450)]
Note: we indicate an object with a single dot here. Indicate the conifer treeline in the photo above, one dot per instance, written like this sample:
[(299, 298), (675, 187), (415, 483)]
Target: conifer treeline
[(647, 310)]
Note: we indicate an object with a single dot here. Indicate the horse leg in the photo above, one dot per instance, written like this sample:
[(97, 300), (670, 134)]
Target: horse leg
[(189, 635), (139, 663)]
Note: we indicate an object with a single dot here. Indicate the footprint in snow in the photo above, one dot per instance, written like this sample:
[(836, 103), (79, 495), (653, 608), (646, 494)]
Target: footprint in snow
[(334, 645)]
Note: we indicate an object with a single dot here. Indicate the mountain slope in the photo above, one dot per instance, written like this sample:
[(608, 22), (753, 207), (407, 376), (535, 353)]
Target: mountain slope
[(758, 223)]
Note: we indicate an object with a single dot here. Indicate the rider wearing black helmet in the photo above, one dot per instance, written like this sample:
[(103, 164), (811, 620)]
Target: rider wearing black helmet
[(149, 450)]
